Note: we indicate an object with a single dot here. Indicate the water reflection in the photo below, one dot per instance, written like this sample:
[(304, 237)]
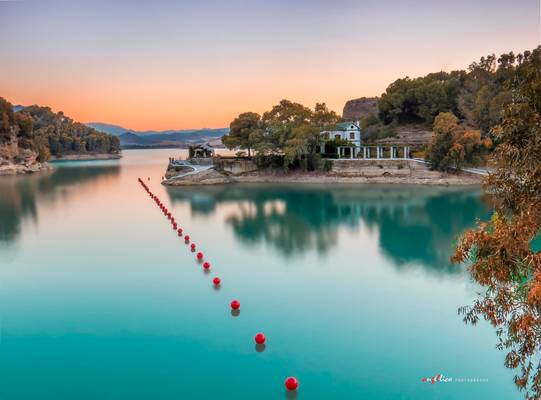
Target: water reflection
[(412, 223), (19, 195)]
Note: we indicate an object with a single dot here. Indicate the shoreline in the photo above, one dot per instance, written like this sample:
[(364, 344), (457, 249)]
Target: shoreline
[(10, 168), (24, 169), (213, 177), (87, 157)]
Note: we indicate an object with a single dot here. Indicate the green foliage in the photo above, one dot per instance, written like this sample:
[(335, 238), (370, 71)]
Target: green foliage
[(281, 120), (476, 96), (289, 129), (378, 131), (7, 119), (244, 132), (331, 146), (303, 140), (420, 100), (65, 136), (49, 133), (327, 165)]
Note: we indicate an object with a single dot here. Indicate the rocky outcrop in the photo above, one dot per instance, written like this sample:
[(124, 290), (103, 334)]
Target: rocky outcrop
[(207, 177), (358, 109), (16, 160)]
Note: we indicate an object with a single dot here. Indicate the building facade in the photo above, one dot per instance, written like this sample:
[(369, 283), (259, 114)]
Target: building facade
[(350, 131)]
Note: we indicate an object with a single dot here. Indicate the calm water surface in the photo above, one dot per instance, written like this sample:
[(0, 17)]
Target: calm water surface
[(351, 284)]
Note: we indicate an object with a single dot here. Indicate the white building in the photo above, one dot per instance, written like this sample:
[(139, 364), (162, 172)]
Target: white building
[(350, 131)]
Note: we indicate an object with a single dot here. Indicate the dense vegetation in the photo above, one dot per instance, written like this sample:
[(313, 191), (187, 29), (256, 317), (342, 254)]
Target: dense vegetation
[(48, 133), (476, 97), (462, 107), (505, 251), (289, 132)]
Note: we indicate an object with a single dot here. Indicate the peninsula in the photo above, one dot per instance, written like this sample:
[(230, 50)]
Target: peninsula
[(32, 136)]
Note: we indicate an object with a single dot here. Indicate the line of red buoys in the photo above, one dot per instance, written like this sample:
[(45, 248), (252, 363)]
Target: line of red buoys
[(291, 383)]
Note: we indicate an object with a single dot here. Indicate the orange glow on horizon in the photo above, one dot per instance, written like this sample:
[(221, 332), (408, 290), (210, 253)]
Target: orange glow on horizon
[(94, 62)]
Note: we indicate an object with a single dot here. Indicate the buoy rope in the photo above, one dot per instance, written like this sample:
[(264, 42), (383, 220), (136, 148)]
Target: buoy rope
[(291, 383)]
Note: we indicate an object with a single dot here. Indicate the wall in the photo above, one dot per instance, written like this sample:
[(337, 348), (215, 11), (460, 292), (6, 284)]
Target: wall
[(234, 166)]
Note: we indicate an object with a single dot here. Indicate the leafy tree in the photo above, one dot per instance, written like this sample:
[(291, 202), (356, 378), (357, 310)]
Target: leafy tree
[(420, 99), (281, 120), (453, 145), (446, 127), (303, 144), (49, 133), (244, 132), (323, 118), (502, 257), (7, 119)]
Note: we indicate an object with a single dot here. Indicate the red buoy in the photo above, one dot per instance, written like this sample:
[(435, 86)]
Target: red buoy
[(192, 246), (260, 338), (179, 231), (292, 383), (216, 281), (199, 256), (206, 264), (235, 304)]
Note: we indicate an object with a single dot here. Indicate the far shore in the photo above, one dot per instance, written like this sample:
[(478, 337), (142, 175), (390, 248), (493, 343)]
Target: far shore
[(87, 157)]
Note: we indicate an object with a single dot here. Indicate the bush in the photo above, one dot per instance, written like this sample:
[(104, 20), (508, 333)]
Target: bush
[(379, 131), (272, 161), (327, 165)]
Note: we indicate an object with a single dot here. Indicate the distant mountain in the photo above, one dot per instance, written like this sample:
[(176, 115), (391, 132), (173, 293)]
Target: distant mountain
[(115, 130), (169, 138)]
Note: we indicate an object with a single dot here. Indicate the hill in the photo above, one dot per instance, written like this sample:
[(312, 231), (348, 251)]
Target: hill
[(32, 135), (169, 138)]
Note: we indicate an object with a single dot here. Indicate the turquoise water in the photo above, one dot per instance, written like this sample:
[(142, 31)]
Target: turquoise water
[(99, 299)]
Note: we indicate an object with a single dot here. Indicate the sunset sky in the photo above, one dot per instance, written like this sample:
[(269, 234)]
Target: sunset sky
[(194, 64)]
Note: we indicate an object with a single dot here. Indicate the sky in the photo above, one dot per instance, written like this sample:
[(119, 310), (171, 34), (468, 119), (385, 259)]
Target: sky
[(197, 64)]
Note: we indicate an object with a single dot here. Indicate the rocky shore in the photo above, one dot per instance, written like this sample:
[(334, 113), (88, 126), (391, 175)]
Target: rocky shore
[(15, 160), (16, 169), (412, 173)]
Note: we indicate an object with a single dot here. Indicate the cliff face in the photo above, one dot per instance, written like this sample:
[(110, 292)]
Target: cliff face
[(16, 160), (358, 109)]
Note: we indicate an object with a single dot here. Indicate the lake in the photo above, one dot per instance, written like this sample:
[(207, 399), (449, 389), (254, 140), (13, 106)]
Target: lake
[(99, 299)]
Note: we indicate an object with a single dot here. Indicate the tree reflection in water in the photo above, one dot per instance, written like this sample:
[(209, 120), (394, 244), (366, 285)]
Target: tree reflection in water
[(413, 223), (19, 194)]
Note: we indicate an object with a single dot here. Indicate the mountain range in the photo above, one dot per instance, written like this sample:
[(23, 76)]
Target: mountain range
[(130, 138)]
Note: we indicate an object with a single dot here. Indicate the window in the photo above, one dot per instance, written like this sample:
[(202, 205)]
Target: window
[(351, 127), (337, 136), (352, 135)]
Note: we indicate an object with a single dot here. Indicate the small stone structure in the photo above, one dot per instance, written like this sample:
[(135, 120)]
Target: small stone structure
[(234, 166), (201, 151)]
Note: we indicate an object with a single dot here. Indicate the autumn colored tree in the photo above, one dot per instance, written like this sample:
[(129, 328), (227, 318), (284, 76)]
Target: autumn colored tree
[(501, 255), (454, 146)]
